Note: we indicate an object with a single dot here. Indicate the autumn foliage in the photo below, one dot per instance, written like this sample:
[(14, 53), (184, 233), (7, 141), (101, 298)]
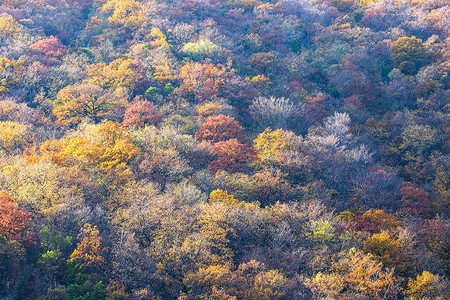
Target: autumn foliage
[(89, 250), (202, 82), (141, 113), (224, 149), (415, 201), (355, 276), (75, 103), (48, 51), (231, 156), (15, 223), (220, 128), (409, 54)]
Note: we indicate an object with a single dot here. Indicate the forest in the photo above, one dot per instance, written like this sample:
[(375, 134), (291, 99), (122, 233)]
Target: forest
[(224, 149)]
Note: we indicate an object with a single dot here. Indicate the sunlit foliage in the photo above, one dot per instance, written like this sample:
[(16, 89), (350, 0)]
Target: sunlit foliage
[(89, 250), (361, 275), (224, 149)]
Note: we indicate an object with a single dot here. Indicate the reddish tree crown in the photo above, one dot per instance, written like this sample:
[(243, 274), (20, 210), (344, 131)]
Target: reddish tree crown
[(221, 128), (49, 50), (14, 222), (232, 156), (141, 113), (414, 200)]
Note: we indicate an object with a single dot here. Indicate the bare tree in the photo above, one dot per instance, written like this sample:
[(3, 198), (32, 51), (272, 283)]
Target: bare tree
[(273, 112)]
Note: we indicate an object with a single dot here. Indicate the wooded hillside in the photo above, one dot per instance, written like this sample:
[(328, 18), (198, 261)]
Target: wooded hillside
[(224, 149)]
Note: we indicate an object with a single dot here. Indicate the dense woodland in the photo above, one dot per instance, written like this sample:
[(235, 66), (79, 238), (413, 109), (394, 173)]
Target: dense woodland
[(224, 149)]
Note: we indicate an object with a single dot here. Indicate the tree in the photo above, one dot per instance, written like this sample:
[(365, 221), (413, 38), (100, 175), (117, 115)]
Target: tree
[(54, 250), (379, 188), (250, 281), (89, 252), (203, 82), (427, 286), (355, 276), (166, 152), (115, 160), (141, 113), (414, 201), (321, 232), (222, 196), (80, 4), (200, 49), (15, 222), (273, 112), (115, 151), (263, 63), (270, 187), (112, 150), (10, 110), (314, 110), (221, 128), (237, 184), (209, 244), (12, 135), (342, 5), (262, 83), (13, 267), (377, 18), (164, 166), (369, 93), (14, 3), (77, 102), (409, 54), (269, 285), (9, 27), (120, 73), (49, 51), (88, 289), (389, 251), (127, 13), (10, 73), (213, 281), (208, 109), (433, 234), (417, 139), (231, 156), (376, 220), (443, 73), (277, 147), (65, 152)]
